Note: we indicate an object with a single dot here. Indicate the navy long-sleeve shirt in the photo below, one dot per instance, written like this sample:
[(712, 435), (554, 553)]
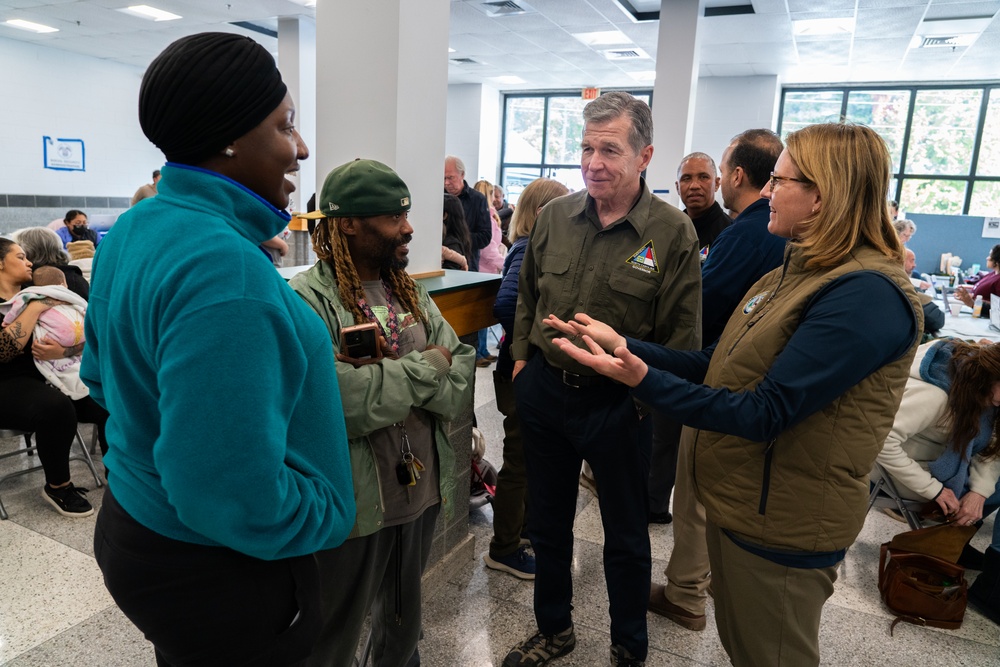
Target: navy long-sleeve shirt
[(850, 329)]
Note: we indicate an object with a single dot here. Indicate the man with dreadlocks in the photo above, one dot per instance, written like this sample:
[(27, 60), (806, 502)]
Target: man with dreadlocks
[(394, 407)]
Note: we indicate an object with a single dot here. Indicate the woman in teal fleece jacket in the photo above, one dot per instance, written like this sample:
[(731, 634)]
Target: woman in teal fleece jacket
[(227, 464)]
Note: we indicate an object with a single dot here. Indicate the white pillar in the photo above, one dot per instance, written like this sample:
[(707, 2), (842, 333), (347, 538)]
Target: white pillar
[(297, 62), (674, 92), (381, 93)]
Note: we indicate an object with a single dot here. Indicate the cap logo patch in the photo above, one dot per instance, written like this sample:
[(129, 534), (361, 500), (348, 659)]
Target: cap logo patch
[(405, 201), (333, 207), (644, 259)]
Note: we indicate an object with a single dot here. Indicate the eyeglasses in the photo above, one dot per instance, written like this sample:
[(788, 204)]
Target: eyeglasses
[(775, 180)]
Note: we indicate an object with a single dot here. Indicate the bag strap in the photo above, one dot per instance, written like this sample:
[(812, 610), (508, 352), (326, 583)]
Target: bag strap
[(916, 620)]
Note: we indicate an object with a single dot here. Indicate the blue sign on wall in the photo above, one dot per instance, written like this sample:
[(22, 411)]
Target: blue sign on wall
[(64, 154)]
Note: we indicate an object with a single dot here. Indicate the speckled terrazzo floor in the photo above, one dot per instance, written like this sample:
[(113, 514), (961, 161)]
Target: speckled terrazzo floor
[(55, 611)]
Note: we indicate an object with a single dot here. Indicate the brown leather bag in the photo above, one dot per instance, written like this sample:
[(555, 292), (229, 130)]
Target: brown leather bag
[(921, 587)]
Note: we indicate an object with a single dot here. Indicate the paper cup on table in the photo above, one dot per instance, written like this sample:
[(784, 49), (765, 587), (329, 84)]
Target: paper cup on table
[(955, 308)]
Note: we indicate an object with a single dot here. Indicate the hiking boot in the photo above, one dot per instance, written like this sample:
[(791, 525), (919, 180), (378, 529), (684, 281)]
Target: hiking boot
[(539, 649), (620, 657), (659, 604), (521, 564), (68, 500)]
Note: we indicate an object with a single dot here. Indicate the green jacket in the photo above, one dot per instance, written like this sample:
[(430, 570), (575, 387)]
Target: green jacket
[(381, 394)]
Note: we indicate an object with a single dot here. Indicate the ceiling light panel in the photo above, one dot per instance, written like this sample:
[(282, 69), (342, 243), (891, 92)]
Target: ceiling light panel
[(823, 27), (151, 13), (30, 26), (603, 38)]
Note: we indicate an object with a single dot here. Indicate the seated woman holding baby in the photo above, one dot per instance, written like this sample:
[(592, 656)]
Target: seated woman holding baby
[(49, 402)]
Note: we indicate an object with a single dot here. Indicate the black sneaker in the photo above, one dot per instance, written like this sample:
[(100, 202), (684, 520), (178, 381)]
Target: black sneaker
[(620, 657), (540, 649), (68, 500)]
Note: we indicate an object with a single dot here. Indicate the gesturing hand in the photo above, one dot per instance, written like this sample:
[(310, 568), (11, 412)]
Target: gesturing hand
[(624, 366)]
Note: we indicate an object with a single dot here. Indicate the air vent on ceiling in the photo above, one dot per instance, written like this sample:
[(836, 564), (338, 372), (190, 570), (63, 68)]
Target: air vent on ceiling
[(499, 8), (953, 41), (625, 54), (464, 61)]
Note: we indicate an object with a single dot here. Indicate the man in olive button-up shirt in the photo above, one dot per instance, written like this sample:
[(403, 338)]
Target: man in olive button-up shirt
[(627, 258)]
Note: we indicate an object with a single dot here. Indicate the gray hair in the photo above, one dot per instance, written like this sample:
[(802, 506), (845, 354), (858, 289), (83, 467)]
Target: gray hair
[(611, 106), (42, 246), (697, 156), (903, 224), (459, 165)]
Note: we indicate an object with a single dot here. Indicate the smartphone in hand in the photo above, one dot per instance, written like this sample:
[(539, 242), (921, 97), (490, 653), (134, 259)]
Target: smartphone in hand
[(360, 341)]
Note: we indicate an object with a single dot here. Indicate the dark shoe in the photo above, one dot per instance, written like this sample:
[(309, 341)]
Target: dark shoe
[(659, 604), (660, 517), (521, 564), (539, 650), (972, 558), (490, 357), (984, 593), (68, 500), (483, 362), (620, 657)]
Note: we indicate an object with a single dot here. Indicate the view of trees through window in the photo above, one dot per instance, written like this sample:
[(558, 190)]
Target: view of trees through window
[(541, 137), (944, 141)]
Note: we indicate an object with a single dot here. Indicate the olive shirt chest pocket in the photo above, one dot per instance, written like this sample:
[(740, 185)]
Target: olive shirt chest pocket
[(554, 278), (631, 306)]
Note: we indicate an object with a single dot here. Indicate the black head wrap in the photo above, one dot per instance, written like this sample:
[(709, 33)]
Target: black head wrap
[(205, 91)]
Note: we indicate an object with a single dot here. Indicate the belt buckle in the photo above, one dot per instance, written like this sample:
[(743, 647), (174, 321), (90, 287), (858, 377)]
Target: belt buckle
[(569, 379)]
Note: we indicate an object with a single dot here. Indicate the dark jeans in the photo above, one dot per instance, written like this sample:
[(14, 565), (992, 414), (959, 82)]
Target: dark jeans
[(663, 462), (562, 426), (29, 404), (512, 483), (206, 606)]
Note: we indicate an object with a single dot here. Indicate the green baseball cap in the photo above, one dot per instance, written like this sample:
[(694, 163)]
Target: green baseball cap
[(361, 189)]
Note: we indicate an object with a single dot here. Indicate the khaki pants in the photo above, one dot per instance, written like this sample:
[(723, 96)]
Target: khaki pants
[(688, 571), (766, 613)]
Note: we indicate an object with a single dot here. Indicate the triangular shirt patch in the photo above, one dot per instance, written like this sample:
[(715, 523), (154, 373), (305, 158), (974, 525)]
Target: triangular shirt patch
[(644, 259)]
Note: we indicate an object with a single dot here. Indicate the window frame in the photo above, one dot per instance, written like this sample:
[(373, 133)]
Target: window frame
[(970, 179), (545, 168)]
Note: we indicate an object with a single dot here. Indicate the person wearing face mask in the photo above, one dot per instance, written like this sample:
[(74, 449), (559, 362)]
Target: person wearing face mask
[(75, 229), (227, 463)]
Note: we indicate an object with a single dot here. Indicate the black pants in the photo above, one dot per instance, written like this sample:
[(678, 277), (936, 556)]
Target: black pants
[(563, 426), (29, 404), (207, 606)]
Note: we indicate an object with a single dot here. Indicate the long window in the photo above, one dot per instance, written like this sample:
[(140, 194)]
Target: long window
[(944, 140), (541, 137)]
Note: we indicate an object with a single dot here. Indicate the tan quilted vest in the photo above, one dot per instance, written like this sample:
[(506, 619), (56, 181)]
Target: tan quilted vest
[(808, 489)]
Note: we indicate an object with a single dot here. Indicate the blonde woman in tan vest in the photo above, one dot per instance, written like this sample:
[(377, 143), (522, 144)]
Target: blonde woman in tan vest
[(790, 407)]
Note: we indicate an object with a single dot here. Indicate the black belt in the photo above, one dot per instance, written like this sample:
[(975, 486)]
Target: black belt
[(577, 381)]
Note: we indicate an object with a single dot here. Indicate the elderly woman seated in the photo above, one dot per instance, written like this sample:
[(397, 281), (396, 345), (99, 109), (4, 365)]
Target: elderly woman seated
[(943, 445)]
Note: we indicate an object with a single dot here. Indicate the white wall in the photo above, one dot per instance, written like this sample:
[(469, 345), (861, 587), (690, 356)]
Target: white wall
[(473, 130), (62, 95), (728, 105)]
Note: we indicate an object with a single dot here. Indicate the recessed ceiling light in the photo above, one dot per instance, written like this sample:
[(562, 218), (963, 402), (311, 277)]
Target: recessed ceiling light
[(844, 26), (603, 38), (151, 13), (28, 25), (305, 3), (451, 50), (649, 75), (508, 79)]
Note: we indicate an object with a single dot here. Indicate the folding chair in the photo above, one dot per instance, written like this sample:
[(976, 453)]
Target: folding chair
[(29, 449), (885, 494)]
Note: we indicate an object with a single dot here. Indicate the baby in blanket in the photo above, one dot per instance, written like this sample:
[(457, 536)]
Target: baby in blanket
[(62, 323)]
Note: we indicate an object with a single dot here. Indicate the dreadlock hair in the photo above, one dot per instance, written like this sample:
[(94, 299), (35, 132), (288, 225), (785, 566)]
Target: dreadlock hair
[(330, 246), (974, 368)]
